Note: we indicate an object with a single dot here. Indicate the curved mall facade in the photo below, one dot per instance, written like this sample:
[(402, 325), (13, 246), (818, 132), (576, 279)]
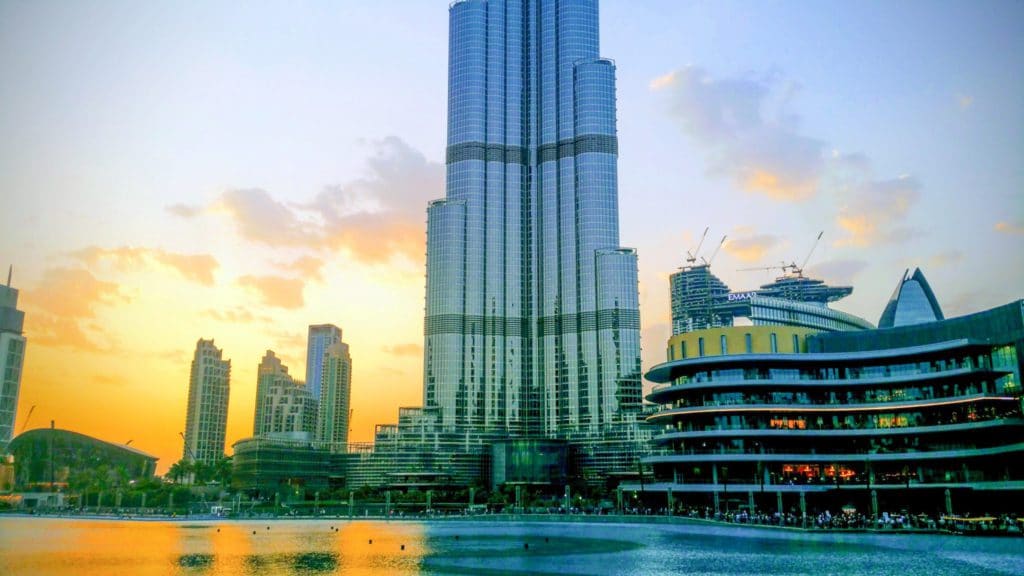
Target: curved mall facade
[(924, 417)]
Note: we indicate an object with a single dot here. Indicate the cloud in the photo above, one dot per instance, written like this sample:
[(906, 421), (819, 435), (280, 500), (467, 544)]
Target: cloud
[(184, 210), (307, 266), (947, 258), (751, 136), (748, 132), (663, 81), (838, 272), (284, 340), (63, 303), (276, 290), (383, 213), (236, 315), (408, 349), (374, 218), (1009, 228), (751, 248), (260, 218), (193, 267), (874, 210)]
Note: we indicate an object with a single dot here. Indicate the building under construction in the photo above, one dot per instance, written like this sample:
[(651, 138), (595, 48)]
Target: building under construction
[(701, 300)]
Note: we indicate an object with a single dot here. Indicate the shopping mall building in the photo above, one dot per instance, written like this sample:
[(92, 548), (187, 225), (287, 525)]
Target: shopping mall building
[(923, 414)]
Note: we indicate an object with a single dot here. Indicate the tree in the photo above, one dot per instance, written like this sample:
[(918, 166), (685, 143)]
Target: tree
[(180, 469), (223, 470)]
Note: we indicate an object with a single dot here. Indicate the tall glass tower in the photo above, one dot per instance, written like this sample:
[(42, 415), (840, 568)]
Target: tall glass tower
[(532, 315), (321, 337), (12, 357)]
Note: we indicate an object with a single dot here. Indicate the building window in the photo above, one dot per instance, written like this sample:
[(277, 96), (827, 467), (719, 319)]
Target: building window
[(682, 349), (700, 346), (671, 353), (725, 344), (775, 343), (796, 344), (749, 342)]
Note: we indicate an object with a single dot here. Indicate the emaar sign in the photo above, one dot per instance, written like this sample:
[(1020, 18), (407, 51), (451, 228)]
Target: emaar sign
[(733, 297)]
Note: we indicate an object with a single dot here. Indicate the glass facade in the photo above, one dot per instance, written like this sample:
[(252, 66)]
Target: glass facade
[(321, 337), (912, 303), (532, 318), (334, 410), (12, 357)]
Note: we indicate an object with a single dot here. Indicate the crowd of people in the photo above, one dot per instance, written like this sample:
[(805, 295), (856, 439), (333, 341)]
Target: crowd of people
[(853, 520)]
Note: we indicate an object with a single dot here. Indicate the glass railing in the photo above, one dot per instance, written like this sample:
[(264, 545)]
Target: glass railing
[(874, 399), (883, 422), (858, 452), (831, 375)]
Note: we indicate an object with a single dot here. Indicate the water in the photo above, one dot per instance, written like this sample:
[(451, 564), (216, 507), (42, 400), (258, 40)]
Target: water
[(54, 546)]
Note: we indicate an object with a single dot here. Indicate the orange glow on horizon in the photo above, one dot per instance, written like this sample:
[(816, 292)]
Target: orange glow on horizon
[(120, 370)]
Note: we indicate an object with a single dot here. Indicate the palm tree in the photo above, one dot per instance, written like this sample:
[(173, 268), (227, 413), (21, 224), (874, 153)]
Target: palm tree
[(180, 469), (223, 470)]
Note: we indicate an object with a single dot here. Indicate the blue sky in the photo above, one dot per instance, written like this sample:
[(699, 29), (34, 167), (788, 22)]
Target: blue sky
[(240, 170)]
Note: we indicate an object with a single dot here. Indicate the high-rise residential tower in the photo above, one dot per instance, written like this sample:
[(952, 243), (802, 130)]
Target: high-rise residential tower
[(284, 405), (532, 316), (335, 397), (12, 357), (208, 391), (321, 337)]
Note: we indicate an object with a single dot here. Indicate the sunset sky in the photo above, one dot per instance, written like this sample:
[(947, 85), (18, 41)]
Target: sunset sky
[(176, 171)]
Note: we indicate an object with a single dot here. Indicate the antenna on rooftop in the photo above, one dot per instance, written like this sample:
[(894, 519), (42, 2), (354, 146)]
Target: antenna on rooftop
[(10, 271)]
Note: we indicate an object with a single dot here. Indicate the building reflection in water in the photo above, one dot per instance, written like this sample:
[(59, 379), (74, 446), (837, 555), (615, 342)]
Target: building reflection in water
[(60, 546)]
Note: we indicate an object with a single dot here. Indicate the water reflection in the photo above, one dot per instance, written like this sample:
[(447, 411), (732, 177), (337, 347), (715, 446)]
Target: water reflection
[(40, 546), (51, 546)]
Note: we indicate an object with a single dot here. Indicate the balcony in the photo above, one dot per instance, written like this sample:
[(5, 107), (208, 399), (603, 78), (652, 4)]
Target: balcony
[(825, 408), (743, 431)]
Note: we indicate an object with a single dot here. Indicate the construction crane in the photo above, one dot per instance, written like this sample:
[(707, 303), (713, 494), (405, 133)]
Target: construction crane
[(27, 418), (797, 271), (782, 266), (187, 447), (800, 271), (691, 257), (707, 262)]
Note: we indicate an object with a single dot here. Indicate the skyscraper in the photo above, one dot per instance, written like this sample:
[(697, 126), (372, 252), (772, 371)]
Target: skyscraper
[(208, 390), (284, 405), (335, 397), (321, 336), (532, 317), (12, 356)]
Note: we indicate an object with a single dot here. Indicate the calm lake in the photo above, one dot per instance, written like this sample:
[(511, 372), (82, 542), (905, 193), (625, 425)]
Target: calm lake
[(53, 546)]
